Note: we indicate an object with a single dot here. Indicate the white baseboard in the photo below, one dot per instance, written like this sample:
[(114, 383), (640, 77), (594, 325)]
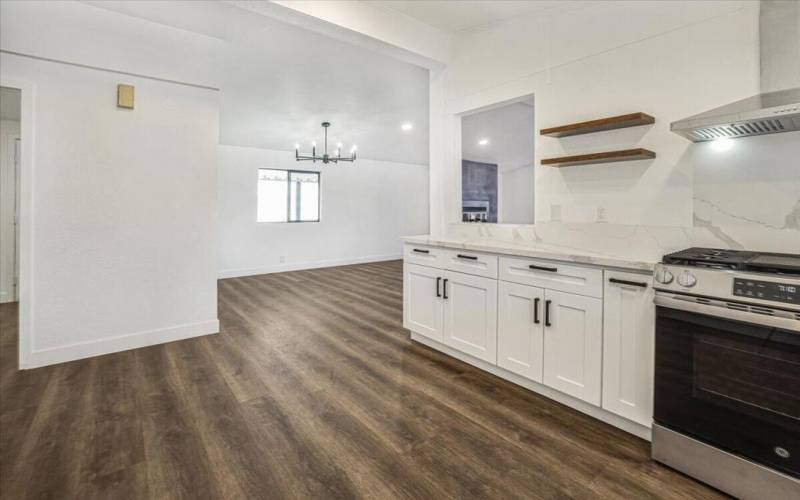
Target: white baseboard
[(6, 297), (576, 404), (108, 345), (299, 266)]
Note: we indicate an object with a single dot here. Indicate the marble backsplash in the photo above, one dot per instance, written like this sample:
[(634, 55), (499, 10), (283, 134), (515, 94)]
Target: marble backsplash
[(744, 197), (646, 243)]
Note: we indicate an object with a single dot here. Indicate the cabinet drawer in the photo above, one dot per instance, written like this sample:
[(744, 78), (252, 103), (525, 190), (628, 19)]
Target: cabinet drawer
[(465, 261), (553, 275), (424, 255)]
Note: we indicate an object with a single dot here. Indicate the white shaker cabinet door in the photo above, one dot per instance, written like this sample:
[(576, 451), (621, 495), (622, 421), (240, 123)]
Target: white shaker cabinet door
[(470, 315), (520, 331), (628, 346), (573, 344), (422, 301)]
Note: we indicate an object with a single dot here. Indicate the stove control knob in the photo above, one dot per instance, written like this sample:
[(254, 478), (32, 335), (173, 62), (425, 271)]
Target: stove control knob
[(663, 275), (687, 279)]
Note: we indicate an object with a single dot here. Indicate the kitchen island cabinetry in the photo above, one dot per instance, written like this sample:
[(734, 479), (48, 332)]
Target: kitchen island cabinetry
[(576, 333)]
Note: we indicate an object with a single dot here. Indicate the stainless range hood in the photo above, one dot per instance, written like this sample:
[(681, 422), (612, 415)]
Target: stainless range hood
[(777, 108)]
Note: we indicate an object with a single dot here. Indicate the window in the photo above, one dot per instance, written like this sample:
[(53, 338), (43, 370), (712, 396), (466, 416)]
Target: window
[(288, 196)]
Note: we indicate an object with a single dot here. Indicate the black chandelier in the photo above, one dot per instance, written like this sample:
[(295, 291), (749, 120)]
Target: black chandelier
[(325, 158)]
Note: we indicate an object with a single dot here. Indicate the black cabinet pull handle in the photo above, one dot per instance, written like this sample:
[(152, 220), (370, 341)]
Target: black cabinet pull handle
[(438, 280), (547, 312), (470, 257), (541, 268), (444, 288), (626, 282), (536, 310), (421, 251)]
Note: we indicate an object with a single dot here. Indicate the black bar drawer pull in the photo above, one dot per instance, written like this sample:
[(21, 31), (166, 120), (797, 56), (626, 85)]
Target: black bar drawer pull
[(438, 293), (541, 268), (421, 251), (547, 312), (470, 257), (536, 310), (626, 282), (444, 288)]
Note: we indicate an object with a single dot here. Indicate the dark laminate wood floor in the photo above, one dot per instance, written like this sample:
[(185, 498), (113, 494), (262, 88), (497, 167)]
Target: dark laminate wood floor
[(311, 390)]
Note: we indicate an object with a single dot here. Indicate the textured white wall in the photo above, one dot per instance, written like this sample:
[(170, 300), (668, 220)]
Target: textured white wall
[(122, 222), (123, 212), (365, 208)]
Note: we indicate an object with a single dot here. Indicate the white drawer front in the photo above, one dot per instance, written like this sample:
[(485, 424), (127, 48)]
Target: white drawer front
[(424, 255), (465, 261), (553, 275)]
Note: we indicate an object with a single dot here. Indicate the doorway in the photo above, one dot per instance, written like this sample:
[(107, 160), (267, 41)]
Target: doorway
[(10, 157)]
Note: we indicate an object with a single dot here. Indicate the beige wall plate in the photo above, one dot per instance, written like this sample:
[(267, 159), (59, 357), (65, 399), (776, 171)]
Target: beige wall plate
[(125, 96)]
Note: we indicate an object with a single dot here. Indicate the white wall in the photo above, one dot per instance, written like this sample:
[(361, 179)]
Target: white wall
[(517, 199), (9, 131), (365, 208), (122, 212), (610, 58)]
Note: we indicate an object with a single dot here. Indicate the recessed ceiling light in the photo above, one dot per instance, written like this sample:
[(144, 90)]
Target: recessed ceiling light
[(407, 126), (483, 142)]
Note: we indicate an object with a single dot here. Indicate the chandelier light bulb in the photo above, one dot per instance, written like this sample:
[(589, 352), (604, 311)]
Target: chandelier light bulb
[(296, 146), (314, 144)]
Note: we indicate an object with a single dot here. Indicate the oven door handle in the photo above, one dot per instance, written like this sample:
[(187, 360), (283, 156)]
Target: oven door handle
[(727, 313)]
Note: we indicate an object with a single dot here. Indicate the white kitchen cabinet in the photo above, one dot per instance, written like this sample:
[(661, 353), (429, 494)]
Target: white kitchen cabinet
[(470, 314), (520, 329), (573, 344), (628, 346), (422, 299), (570, 278)]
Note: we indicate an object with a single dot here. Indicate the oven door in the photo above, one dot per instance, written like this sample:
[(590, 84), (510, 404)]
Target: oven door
[(730, 378)]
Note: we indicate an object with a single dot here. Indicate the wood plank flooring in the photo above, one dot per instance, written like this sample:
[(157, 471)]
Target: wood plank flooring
[(312, 389)]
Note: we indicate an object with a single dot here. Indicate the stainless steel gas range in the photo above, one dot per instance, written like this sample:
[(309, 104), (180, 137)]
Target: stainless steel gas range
[(727, 375)]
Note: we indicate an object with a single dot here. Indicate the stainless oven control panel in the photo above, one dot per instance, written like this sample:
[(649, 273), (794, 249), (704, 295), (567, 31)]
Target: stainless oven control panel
[(766, 290)]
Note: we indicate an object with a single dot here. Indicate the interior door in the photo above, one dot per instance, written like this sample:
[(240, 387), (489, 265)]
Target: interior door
[(422, 300), (628, 346), (9, 237), (520, 332), (470, 315), (573, 343)]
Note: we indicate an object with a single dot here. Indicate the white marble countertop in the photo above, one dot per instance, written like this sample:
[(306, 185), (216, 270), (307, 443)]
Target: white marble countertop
[(539, 250)]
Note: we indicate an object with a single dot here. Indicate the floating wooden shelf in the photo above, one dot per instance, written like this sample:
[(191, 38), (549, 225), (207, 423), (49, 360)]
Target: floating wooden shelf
[(606, 157), (615, 122)]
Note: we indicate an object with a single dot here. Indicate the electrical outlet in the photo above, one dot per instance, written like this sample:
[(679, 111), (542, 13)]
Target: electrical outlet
[(600, 215), (282, 259)]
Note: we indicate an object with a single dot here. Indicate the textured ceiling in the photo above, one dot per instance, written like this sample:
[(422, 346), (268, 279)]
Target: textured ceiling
[(453, 16)]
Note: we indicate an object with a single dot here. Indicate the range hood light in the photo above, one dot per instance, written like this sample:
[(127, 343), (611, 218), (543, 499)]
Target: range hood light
[(721, 144)]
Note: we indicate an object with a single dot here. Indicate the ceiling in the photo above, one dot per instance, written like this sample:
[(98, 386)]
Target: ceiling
[(454, 16), (281, 81), (509, 132), (9, 104)]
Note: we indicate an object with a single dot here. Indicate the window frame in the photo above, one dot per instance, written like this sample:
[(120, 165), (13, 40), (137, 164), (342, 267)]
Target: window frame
[(289, 197)]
